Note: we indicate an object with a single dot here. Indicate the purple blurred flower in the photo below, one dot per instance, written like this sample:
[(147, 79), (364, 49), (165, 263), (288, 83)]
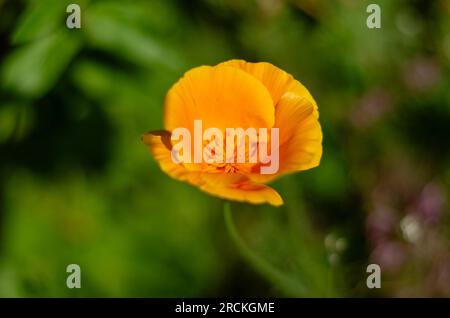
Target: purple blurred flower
[(380, 224), (422, 74), (431, 203), (371, 107), (389, 255)]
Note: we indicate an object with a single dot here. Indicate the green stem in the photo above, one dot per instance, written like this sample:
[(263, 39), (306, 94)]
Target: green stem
[(285, 283)]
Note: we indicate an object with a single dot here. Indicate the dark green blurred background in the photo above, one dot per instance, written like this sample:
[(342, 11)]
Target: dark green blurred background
[(78, 186)]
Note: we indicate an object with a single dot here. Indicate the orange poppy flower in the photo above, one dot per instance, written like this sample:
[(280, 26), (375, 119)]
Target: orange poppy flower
[(237, 93)]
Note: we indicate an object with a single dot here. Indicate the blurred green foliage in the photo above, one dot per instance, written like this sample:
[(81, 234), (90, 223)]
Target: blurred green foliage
[(77, 185)]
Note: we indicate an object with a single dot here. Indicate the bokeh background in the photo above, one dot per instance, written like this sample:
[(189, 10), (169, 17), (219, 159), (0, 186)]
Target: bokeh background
[(78, 186)]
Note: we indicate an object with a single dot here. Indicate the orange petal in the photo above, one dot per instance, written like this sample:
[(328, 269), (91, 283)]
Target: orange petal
[(245, 192), (300, 134), (300, 137), (160, 147), (222, 97), (222, 179), (277, 81), (226, 186)]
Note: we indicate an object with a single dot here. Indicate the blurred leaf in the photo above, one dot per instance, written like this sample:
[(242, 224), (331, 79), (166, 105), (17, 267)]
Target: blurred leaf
[(125, 40), (16, 121), (39, 20), (33, 69), (8, 116)]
